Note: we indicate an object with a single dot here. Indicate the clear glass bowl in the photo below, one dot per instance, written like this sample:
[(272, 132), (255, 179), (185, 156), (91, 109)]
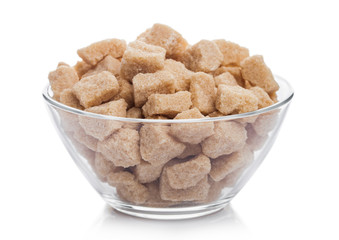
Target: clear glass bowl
[(180, 188)]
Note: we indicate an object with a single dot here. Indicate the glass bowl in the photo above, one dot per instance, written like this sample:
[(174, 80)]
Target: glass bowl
[(169, 169)]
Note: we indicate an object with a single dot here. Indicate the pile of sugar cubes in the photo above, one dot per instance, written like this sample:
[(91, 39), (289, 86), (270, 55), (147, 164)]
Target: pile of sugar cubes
[(161, 76)]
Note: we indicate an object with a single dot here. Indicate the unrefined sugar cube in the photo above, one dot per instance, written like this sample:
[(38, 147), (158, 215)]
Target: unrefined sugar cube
[(134, 113), (96, 89), (167, 38), (120, 178), (81, 68), (224, 165), (62, 78), (157, 117), (228, 137), (154, 199), (128, 188), (125, 92), (146, 172), (103, 166), (167, 104), (122, 148), (216, 114), (102, 128), (157, 146), (265, 123), (233, 54), (63, 64), (203, 94), (254, 141), (95, 52), (144, 85), (235, 99), (273, 96), (109, 64), (195, 193), (254, 70), (203, 56), (190, 150), (181, 73), (225, 78), (141, 57), (235, 71), (68, 98), (263, 97), (89, 141), (84, 151), (192, 133), (188, 174)]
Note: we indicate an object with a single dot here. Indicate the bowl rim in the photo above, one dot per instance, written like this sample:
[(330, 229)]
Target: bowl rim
[(290, 93)]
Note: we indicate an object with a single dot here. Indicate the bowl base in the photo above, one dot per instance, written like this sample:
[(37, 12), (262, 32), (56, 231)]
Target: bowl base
[(170, 213)]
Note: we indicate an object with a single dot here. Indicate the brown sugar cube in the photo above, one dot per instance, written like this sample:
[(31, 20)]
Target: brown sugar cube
[(89, 141), (157, 117), (122, 148), (224, 165), (96, 89), (192, 133), (157, 146), (225, 78), (235, 99), (228, 137), (203, 56), (190, 150), (167, 104), (63, 64), (95, 52), (154, 199), (274, 96), (254, 141), (188, 174), (125, 92), (254, 70), (103, 166), (265, 123), (203, 94), (62, 78), (102, 128), (141, 57), (144, 85), (216, 114), (69, 122), (109, 64), (128, 188), (263, 97), (81, 68), (233, 54), (146, 172), (245, 120), (235, 71), (68, 98), (195, 193), (134, 113), (167, 38), (84, 151), (120, 178), (181, 73)]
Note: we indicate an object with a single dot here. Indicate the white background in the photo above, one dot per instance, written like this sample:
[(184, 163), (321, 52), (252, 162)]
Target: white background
[(293, 195)]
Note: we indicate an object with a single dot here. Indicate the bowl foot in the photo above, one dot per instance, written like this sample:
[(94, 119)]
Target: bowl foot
[(170, 213)]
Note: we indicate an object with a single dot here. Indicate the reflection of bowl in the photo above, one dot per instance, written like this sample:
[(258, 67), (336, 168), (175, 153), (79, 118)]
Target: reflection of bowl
[(172, 179)]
